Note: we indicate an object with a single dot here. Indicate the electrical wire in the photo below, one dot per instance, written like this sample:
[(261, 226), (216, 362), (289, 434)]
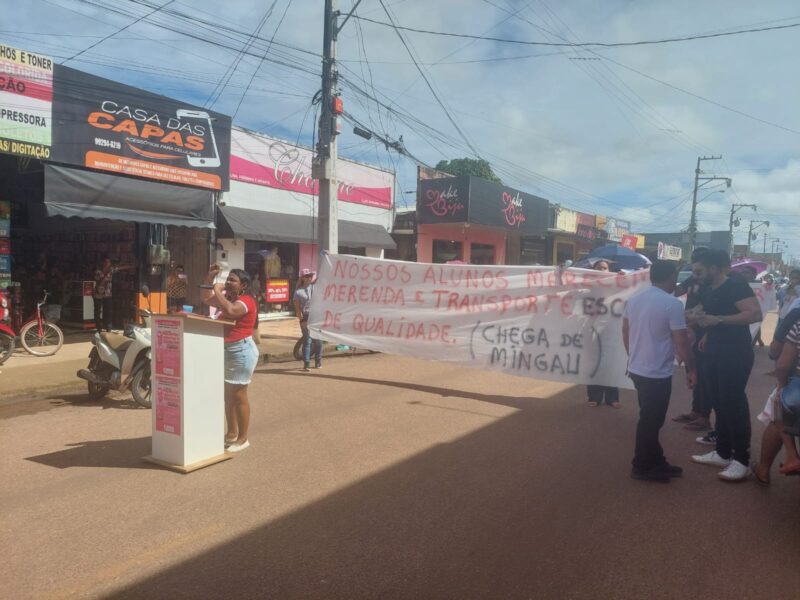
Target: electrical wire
[(261, 62), (131, 24), (584, 44), (428, 83)]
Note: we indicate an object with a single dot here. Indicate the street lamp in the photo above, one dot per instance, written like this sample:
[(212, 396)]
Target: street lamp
[(711, 194)]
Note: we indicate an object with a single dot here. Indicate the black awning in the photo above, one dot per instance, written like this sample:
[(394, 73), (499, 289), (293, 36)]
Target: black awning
[(79, 193), (363, 235), (249, 224)]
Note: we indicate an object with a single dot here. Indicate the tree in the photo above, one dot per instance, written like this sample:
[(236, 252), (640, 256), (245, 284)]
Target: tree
[(468, 166)]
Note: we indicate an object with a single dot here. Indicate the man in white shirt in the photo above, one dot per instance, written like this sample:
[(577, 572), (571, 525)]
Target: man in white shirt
[(654, 330)]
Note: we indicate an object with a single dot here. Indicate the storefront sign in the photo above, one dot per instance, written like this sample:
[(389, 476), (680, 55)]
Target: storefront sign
[(666, 252), (443, 200), (268, 162), (616, 228), (629, 242), (475, 200), (124, 130), (538, 322), (586, 232), (566, 220), (26, 95), (278, 290)]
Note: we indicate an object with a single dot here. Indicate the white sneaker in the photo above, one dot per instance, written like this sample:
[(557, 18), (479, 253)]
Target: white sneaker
[(712, 459), (736, 471), (238, 447)]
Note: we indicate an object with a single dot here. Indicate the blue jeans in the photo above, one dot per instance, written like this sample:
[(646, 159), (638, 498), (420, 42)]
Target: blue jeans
[(307, 343), (790, 396)]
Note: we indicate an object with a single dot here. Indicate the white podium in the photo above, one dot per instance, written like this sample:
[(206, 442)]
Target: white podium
[(188, 392)]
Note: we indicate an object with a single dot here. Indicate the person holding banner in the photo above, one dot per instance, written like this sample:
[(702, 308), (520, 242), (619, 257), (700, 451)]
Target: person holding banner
[(654, 331), (727, 309), (302, 306), (600, 393)]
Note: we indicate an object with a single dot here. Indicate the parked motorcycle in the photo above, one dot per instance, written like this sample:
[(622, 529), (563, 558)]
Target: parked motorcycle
[(121, 362)]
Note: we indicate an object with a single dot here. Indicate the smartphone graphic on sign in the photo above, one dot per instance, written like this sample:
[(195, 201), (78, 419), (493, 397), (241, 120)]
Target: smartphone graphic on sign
[(207, 162)]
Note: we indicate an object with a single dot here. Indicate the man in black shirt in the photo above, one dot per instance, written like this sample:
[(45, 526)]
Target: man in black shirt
[(728, 308)]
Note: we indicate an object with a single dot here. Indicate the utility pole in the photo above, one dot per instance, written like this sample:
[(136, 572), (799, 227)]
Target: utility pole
[(697, 185), (765, 242), (734, 209), (325, 164), (324, 168)]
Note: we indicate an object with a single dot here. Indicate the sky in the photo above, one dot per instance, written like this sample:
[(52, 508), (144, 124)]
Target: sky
[(606, 130)]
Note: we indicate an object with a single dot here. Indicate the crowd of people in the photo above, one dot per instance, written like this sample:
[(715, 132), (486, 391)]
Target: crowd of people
[(711, 337)]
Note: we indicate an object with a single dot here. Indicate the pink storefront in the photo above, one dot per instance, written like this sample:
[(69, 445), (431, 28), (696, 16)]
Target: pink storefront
[(475, 221)]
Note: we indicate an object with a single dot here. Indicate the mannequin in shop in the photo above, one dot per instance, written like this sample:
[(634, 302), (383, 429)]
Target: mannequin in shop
[(272, 265)]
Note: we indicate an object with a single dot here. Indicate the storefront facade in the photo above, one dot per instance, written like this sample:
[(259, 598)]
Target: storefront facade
[(267, 221), (474, 221), (106, 170)]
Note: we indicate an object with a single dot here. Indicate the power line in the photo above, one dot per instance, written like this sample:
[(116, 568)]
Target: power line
[(110, 35), (427, 81), (584, 44), (714, 102), (258, 67), (218, 90)]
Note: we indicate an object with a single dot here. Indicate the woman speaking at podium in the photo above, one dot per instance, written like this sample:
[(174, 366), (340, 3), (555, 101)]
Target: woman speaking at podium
[(235, 303)]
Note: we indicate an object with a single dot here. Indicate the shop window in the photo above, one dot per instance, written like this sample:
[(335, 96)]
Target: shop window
[(274, 262), (533, 251), (481, 254), (564, 252), (445, 251)]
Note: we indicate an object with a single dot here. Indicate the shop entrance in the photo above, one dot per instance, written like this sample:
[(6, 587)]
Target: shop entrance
[(274, 267)]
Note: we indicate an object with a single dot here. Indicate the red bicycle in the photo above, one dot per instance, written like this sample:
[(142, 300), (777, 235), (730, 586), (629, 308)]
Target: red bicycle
[(38, 336)]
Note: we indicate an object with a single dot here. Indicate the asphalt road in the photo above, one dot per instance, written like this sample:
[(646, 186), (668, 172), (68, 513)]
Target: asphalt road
[(381, 477)]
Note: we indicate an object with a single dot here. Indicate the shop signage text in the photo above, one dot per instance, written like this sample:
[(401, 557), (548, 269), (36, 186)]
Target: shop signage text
[(277, 290), (120, 129), (261, 160), (480, 202), (26, 98), (667, 252)]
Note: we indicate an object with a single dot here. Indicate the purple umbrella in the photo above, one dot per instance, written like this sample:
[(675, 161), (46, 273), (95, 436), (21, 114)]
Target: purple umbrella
[(742, 265)]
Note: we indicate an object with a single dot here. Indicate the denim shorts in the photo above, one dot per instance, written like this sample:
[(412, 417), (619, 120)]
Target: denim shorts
[(790, 396), (241, 359)]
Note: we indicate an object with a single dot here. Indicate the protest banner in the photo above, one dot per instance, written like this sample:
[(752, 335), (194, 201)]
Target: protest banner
[(538, 322)]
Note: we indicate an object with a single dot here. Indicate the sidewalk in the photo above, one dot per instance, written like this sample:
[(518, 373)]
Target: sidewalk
[(23, 373)]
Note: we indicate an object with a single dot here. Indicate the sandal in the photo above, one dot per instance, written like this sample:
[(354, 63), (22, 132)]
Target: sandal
[(616, 405), (593, 404)]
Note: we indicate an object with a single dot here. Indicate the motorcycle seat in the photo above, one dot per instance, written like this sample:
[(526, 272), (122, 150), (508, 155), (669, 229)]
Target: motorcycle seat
[(117, 341)]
